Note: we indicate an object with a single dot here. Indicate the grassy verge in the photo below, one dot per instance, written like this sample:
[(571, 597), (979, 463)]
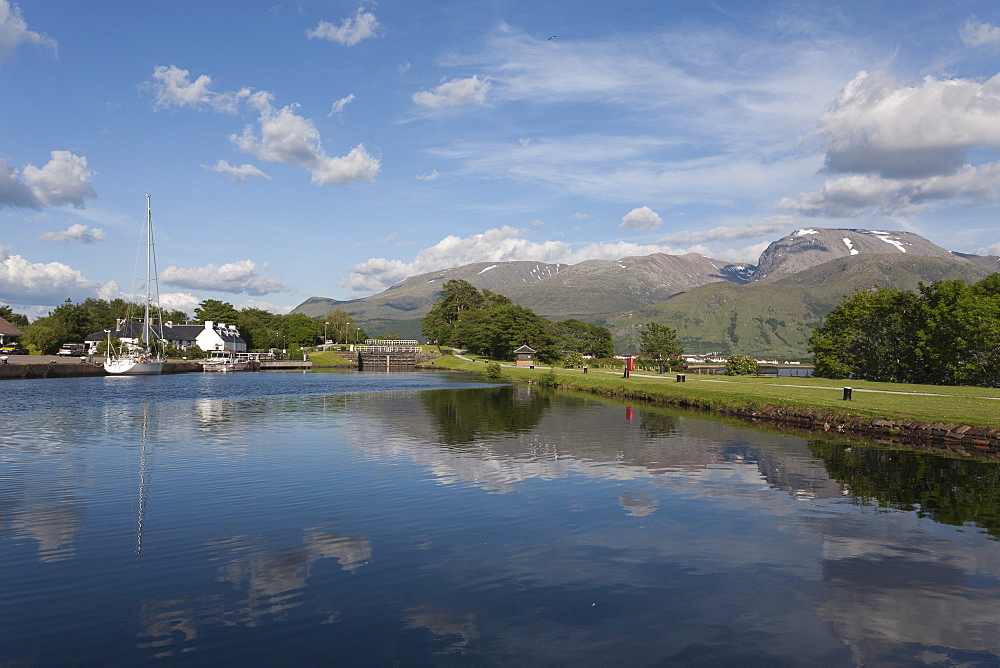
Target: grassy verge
[(322, 358), (815, 397)]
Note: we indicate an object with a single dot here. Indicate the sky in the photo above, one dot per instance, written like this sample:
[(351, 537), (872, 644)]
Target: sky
[(334, 148)]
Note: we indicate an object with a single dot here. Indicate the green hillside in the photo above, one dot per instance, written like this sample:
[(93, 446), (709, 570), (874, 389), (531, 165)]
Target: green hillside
[(774, 317)]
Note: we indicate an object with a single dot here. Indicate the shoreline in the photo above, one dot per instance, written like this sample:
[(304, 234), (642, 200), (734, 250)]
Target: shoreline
[(953, 437)]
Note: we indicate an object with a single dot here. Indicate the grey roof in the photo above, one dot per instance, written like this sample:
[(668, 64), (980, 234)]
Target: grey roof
[(525, 349), (8, 329), (133, 330)]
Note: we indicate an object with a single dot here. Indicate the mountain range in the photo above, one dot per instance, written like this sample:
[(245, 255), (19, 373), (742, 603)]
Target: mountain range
[(766, 310)]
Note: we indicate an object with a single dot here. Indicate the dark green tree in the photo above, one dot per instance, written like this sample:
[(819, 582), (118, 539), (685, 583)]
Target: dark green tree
[(457, 298), (18, 320), (659, 344), (257, 327), (585, 338), (871, 335), (216, 311)]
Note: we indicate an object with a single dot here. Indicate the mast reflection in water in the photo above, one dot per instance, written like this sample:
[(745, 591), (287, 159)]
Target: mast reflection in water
[(434, 519)]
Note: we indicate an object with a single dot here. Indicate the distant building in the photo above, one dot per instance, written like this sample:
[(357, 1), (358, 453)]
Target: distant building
[(525, 356), (8, 332), (208, 337)]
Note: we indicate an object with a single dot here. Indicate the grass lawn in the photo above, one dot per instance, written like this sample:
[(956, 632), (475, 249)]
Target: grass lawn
[(322, 358), (975, 406)]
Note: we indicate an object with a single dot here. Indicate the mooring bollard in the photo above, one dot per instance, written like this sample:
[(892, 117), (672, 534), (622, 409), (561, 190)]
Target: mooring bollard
[(847, 393), (681, 378)]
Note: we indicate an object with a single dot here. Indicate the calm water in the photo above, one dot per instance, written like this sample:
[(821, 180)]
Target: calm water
[(429, 519)]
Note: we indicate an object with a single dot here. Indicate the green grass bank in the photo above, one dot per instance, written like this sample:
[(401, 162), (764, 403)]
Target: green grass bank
[(967, 419)]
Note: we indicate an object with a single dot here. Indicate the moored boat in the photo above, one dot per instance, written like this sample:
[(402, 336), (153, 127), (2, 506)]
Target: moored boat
[(139, 357), (225, 360)]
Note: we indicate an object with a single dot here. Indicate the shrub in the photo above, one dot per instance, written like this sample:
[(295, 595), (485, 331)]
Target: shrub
[(741, 365), (549, 379), (493, 370)]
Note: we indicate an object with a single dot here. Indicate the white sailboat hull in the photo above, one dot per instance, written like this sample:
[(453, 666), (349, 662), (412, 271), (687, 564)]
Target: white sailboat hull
[(134, 366)]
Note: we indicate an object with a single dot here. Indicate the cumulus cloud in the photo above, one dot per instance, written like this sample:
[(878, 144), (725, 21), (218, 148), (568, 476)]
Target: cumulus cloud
[(494, 245), (878, 126), (351, 30), (339, 105), (454, 93), (235, 277), (286, 137), (852, 196), (974, 33), (642, 218), (182, 301), (905, 147), (172, 87), (80, 234), (64, 179), (237, 173), (14, 31), (730, 232), (25, 282)]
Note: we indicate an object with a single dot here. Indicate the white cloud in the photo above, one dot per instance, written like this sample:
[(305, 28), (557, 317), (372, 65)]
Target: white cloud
[(454, 93), (433, 176), (494, 245), (234, 277), (181, 301), (357, 165), (24, 282), (237, 173), (14, 31), (64, 179), (642, 218), (405, 67), (172, 87), (338, 106), (351, 30), (731, 232), (75, 234), (265, 306), (852, 196), (906, 147), (286, 137), (878, 126), (974, 33)]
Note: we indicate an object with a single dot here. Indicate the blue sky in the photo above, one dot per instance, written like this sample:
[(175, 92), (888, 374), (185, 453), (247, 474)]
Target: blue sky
[(335, 148)]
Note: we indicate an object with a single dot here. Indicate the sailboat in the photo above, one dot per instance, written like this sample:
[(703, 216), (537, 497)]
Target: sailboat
[(139, 359)]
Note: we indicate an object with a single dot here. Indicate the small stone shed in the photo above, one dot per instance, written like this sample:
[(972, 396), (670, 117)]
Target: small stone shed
[(525, 356)]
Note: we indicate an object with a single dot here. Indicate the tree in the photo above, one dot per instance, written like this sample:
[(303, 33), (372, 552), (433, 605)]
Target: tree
[(741, 365), (660, 345), (16, 319), (585, 338), (216, 311), (871, 335), (339, 325), (498, 331), (44, 336), (457, 298), (257, 328)]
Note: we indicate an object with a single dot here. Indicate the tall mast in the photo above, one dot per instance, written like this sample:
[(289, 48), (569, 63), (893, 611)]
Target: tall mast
[(146, 329)]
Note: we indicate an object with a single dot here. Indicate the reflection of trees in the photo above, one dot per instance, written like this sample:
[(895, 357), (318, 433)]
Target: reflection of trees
[(658, 425), (464, 417), (949, 491)]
